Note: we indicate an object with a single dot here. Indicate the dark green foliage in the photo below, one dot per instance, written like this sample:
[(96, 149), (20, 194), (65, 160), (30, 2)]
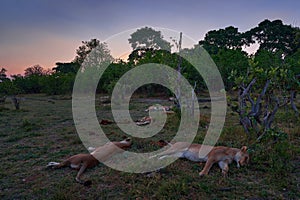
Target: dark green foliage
[(148, 38), (273, 171), (65, 68), (111, 75), (8, 87), (28, 84), (35, 70), (294, 61), (85, 49), (275, 36), (48, 134), (57, 83), (229, 38), (3, 76), (229, 61), (279, 48)]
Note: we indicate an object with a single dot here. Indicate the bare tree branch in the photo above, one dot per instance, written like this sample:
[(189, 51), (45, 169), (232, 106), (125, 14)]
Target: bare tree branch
[(246, 91), (292, 98)]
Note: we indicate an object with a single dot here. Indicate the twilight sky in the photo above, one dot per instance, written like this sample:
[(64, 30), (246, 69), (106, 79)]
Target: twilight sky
[(48, 31)]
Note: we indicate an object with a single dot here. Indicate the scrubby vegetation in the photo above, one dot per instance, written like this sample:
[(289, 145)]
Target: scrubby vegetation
[(262, 114), (43, 132)]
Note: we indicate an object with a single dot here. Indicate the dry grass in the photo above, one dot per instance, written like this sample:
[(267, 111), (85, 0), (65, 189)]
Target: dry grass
[(42, 132)]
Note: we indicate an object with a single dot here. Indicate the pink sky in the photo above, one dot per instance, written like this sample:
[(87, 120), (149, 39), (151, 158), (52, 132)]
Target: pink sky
[(44, 51)]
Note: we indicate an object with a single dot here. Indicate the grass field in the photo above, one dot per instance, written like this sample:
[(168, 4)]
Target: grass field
[(42, 131)]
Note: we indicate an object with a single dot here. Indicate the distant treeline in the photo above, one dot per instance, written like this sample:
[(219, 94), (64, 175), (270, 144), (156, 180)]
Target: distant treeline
[(278, 55)]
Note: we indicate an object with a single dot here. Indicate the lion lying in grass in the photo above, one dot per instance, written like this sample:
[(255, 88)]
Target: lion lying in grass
[(82, 162), (219, 154)]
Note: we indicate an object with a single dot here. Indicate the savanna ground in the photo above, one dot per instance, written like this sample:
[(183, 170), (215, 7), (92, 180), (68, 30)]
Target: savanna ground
[(42, 131)]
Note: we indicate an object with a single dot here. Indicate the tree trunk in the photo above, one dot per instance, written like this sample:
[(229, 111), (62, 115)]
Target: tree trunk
[(292, 99), (178, 95), (16, 102)]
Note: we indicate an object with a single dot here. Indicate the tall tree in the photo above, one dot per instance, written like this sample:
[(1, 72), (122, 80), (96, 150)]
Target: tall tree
[(231, 63), (93, 60), (3, 75), (296, 42), (34, 70), (274, 36), (294, 62), (267, 59), (71, 67), (86, 48), (148, 38), (228, 38)]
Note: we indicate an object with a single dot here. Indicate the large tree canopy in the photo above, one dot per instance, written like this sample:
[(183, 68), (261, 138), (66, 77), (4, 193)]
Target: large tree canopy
[(148, 38), (85, 49), (71, 67), (279, 48), (230, 62), (274, 36), (34, 70), (228, 38)]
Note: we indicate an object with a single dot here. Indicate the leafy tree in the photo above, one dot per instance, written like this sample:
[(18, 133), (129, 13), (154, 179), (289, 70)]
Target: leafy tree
[(93, 64), (30, 83), (7, 88), (148, 47), (17, 84), (261, 93), (229, 38), (225, 47), (142, 56), (267, 59), (99, 56), (86, 48), (231, 61), (274, 36), (111, 76), (296, 42), (148, 38), (71, 67), (57, 83), (3, 76), (34, 70), (136, 55), (294, 62), (6, 85)]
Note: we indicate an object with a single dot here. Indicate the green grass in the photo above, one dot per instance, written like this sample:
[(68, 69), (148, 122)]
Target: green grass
[(41, 132)]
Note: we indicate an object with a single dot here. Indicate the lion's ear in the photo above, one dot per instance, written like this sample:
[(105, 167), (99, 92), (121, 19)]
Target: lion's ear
[(244, 149)]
